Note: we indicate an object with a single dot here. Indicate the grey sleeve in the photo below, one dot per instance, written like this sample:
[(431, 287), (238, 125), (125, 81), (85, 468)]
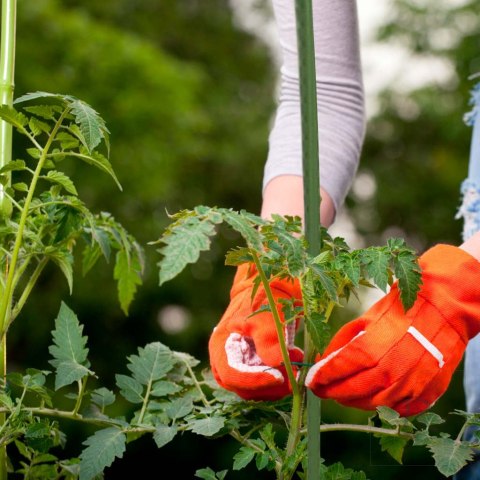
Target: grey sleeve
[(340, 99)]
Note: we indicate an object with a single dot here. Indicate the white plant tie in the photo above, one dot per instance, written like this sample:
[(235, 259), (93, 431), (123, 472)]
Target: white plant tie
[(429, 346)]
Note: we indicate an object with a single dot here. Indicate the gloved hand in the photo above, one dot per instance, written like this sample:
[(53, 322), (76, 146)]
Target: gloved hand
[(405, 360), (244, 350)]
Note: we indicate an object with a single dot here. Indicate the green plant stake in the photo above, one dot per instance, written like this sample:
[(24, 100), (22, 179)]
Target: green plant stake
[(7, 60), (311, 186)]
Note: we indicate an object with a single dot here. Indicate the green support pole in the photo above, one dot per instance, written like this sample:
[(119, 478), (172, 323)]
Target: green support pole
[(311, 186), (7, 64)]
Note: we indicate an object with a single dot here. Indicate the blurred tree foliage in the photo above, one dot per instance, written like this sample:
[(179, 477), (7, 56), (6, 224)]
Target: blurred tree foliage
[(188, 97)]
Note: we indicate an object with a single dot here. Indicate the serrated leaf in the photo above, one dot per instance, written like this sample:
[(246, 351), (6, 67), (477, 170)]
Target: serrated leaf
[(68, 372), (152, 363), (67, 141), (130, 388), (99, 161), (321, 276), (179, 408), (127, 273), (349, 265), (449, 455), (183, 246), (394, 446), (164, 434), (13, 165), (243, 457), (103, 447), (293, 251), (34, 153), (429, 418), (242, 225), (37, 127), (376, 261), (91, 124), (20, 187), (102, 397), (207, 426), (238, 256), (44, 111), (64, 260), (12, 116), (69, 350), (61, 179), (392, 417), (39, 94), (209, 474), (163, 388), (409, 276), (319, 330)]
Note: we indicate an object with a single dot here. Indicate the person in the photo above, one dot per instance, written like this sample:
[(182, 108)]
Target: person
[(387, 356)]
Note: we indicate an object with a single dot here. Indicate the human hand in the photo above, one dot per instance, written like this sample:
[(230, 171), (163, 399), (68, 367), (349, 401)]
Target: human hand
[(405, 360), (244, 349)]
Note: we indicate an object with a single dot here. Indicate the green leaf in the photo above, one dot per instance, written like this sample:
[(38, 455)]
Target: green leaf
[(179, 408), (128, 273), (91, 124), (243, 226), (13, 165), (349, 265), (394, 446), (430, 418), (321, 276), (130, 388), (152, 363), (450, 455), (69, 350), (164, 434), (409, 275), (319, 330), (61, 179), (20, 187), (102, 397), (243, 457), (64, 260), (37, 127), (97, 160), (207, 426), (12, 116), (209, 474), (392, 417), (183, 246), (376, 261), (163, 388), (67, 141), (69, 372), (103, 447), (44, 111)]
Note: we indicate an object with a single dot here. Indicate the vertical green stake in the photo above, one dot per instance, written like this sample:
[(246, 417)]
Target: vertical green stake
[(7, 64), (7, 67), (311, 186)]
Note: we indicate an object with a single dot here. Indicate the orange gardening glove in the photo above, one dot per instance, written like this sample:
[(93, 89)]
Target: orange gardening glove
[(405, 361), (244, 350)]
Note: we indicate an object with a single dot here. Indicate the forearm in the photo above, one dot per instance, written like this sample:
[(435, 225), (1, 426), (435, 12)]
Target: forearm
[(284, 196), (339, 98)]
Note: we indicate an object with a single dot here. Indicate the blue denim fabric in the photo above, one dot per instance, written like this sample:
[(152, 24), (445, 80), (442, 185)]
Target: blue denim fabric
[(471, 383)]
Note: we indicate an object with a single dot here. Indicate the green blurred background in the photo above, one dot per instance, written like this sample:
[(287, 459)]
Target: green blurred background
[(188, 95)]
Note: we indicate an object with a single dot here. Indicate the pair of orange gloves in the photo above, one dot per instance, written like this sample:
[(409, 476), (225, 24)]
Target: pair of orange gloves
[(403, 360)]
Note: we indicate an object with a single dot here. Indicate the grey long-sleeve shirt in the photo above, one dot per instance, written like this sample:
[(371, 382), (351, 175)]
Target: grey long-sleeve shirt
[(340, 99)]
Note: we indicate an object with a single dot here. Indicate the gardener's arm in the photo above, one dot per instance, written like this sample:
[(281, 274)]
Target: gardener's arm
[(341, 117)]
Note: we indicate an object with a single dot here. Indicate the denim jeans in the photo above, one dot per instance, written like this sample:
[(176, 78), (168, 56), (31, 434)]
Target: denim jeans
[(471, 382)]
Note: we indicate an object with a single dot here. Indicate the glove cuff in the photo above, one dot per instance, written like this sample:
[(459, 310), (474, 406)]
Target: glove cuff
[(451, 283)]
